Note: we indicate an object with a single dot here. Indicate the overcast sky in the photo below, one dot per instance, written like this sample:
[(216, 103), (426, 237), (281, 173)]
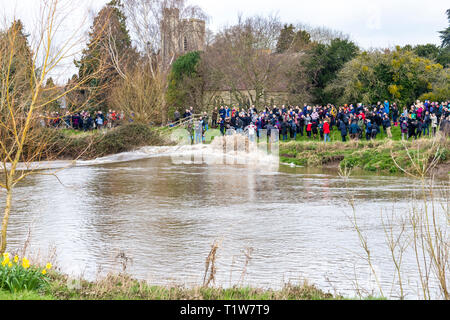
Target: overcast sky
[(371, 24), (374, 23)]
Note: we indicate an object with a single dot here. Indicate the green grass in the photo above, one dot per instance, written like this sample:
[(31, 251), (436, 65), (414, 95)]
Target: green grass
[(122, 287), (24, 295), (336, 136), (376, 155)]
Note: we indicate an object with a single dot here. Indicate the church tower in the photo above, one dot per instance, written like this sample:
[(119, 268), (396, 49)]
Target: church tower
[(180, 36)]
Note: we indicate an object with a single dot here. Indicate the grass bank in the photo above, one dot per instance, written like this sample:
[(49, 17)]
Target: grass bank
[(123, 287), (375, 156), (70, 144)]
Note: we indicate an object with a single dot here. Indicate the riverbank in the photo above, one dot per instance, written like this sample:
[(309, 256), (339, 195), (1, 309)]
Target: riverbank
[(123, 287), (71, 144), (376, 156)]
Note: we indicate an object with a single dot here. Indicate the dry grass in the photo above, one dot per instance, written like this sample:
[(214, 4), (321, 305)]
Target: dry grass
[(123, 287), (423, 230)]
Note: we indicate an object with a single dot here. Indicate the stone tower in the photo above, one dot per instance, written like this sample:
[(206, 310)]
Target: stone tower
[(179, 37)]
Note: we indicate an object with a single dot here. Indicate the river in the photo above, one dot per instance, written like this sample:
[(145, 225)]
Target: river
[(165, 215)]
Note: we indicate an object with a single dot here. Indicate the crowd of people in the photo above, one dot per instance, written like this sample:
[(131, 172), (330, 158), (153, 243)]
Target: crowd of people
[(82, 121), (353, 122)]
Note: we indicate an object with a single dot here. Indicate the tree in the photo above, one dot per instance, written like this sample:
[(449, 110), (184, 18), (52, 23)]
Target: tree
[(399, 76), (291, 41), (323, 64), (138, 94), (109, 49), (322, 35), (19, 66), (428, 51), (432, 52), (299, 84), (241, 60), (22, 141), (285, 39), (445, 34), (51, 90), (185, 83), (146, 23), (441, 88)]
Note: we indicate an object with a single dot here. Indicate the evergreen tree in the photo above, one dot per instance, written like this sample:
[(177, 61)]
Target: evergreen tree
[(20, 68), (445, 34), (49, 92), (109, 50), (444, 55), (289, 40), (324, 63), (185, 80), (285, 39)]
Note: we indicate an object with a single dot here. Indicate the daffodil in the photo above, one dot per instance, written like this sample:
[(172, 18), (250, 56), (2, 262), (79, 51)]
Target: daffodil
[(16, 259), (44, 272), (25, 263), (6, 255), (5, 260), (48, 266), (10, 265)]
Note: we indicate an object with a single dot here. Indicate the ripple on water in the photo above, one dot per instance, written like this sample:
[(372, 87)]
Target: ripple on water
[(166, 217)]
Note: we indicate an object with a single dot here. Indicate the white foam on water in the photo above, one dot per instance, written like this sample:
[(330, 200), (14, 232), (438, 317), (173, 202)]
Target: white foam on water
[(213, 153)]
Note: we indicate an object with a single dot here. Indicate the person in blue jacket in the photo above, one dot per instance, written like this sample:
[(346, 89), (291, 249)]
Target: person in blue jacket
[(368, 130), (386, 107), (344, 130)]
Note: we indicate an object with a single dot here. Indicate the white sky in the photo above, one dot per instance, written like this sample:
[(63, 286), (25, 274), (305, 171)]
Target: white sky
[(375, 23)]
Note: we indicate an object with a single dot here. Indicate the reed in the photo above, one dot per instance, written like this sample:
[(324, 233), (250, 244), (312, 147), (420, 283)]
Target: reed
[(423, 230)]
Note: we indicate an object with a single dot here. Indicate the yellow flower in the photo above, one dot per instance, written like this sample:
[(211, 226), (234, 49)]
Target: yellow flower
[(6, 255), (48, 266), (10, 265), (5, 260), (16, 259), (44, 272), (4, 263), (25, 263)]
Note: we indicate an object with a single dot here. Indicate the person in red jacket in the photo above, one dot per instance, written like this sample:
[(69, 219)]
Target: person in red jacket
[(309, 130), (326, 131)]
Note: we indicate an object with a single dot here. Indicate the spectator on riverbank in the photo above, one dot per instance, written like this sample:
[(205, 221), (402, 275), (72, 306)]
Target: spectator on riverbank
[(387, 126), (100, 120), (343, 129), (326, 131), (434, 123), (176, 116), (354, 130), (319, 121)]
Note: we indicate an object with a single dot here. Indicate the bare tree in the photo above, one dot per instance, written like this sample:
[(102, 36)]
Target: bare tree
[(242, 59), (23, 97), (322, 34), (150, 24)]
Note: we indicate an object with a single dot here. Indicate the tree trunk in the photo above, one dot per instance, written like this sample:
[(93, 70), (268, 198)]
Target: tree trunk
[(6, 214)]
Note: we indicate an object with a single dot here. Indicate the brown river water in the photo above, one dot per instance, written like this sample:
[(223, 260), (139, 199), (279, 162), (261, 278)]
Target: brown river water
[(165, 216)]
